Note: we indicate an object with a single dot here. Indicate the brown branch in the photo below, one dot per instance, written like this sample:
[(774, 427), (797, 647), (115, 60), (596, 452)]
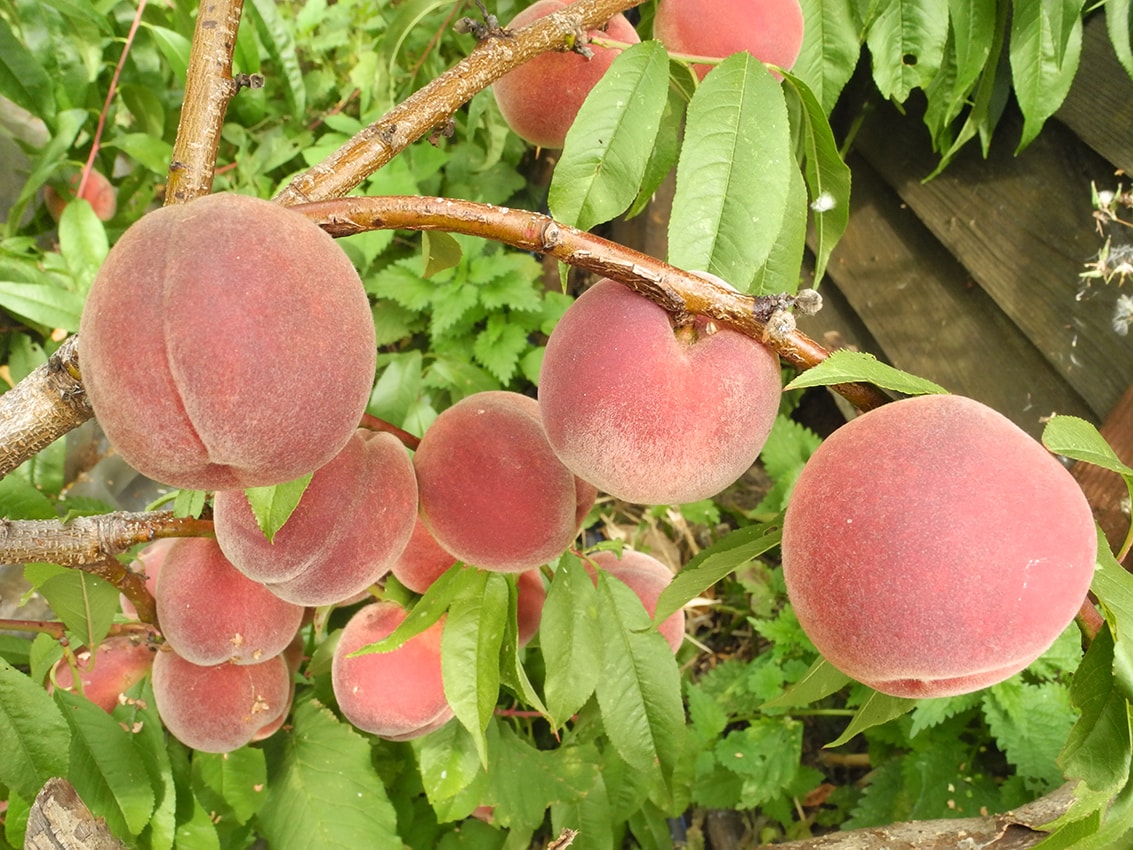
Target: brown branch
[(680, 292), (208, 89), (1014, 830), (434, 104), (42, 407)]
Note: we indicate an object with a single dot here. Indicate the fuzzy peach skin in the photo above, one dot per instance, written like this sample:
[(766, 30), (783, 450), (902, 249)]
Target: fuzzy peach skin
[(770, 30), (99, 192), (220, 708), (227, 343), (396, 695), (210, 613), (492, 491), (646, 414), (931, 547), (352, 522), (541, 98), (148, 562), (112, 669), (647, 577)]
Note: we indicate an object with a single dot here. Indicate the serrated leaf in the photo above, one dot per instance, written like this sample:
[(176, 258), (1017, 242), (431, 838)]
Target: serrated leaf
[(324, 793), (1100, 746), (34, 737), (448, 760), (638, 690), (44, 305), (497, 348), (830, 49), (877, 708), (1078, 439), (845, 366), (470, 651), (906, 42), (608, 146), (1119, 25), (440, 252), (237, 778), (765, 754), (1030, 723), (272, 506), (733, 174), (85, 603), (821, 680), (1046, 44), (429, 608), (712, 564), (789, 445), (827, 176), (569, 638), (932, 712), (104, 767)]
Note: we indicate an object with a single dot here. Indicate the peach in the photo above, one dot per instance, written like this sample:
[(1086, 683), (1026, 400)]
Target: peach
[(210, 613), (492, 491), (540, 99), (396, 695), (112, 669), (770, 30), (99, 192), (649, 413), (219, 708), (931, 547), (227, 343), (531, 593), (148, 562), (647, 577), (352, 522), (423, 560)]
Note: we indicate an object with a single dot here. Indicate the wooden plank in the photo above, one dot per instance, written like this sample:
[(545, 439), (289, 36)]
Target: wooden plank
[(928, 317), (1099, 107), (1022, 226), (1105, 490)]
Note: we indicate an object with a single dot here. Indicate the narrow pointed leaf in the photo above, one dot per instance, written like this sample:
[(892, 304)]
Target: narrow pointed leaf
[(1046, 44), (34, 737), (570, 639), (273, 505), (845, 366), (906, 42), (878, 708)]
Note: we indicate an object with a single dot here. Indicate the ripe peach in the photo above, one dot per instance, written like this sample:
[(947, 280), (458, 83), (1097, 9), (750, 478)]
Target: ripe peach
[(932, 548), (99, 192), (396, 695), (540, 99), (770, 30), (117, 664), (648, 413), (149, 561), (531, 593), (492, 491), (210, 613), (220, 708), (227, 343), (647, 577), (423, 560), (353, 520)]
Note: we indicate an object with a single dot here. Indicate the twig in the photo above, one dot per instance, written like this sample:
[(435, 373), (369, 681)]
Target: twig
[(432, 105), (680, 292)]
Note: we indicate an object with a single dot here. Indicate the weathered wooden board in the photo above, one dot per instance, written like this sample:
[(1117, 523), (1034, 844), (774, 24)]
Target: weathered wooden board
[(1022, 227), (928, 316)]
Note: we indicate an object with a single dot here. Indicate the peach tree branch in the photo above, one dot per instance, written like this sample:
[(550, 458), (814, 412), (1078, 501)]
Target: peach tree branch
[(680, 292)]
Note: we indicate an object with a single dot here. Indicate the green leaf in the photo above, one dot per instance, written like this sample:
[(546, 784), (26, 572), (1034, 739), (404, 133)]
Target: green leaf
[(533, 780), (24, 81), (733, 175), (105, 769), (765, 754), (174, 47), (971, 39), (497, 348), (827, 175), (398, 387), (1100, 746), (429, 608), (830, 49), (276, 37), (85, 603), (448, 760), (638, 689), (1119, 24), (237, 779), (666, 149), (440, 252), (324, 793), (1030, 723), (712, 564), (189, 503), (1046, 43), (845, 366), (1078, 439), (608, 146), (19, 499), (151, 152), (34, 737), (569, 638), (138, 714), (782, 270), (43, 305), (1113, 586), (877, 708), (470, 650), (906, 42), (273, 505), (82, 242), (821, 680)]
